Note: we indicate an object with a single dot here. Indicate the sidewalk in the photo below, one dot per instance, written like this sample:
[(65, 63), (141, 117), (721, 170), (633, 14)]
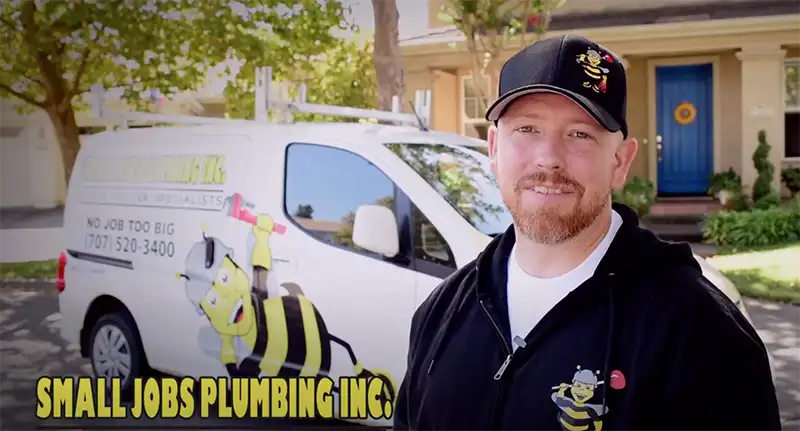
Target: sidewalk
[(31, 218), (29, 234)]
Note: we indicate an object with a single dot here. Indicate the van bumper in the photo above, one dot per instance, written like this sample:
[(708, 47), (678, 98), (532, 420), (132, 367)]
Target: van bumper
[(72, 316)]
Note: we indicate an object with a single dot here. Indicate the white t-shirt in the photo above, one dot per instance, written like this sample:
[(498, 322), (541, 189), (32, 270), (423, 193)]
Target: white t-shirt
[(530, 298)]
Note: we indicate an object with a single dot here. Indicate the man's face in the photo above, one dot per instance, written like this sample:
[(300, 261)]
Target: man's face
[(556, 166)]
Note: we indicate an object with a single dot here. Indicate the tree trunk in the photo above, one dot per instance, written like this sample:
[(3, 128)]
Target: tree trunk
[(386, 55), (68, 135)]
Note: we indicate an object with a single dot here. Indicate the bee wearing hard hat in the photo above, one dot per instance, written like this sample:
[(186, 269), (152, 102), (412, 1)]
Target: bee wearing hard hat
[(576, 413), (591, 65)]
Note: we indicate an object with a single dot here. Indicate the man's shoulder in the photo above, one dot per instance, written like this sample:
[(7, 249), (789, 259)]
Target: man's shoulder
[(683, 294), (448, 290), (432, 312)]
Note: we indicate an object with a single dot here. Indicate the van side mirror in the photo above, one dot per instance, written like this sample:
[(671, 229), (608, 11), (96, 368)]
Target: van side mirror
[(375, 229)]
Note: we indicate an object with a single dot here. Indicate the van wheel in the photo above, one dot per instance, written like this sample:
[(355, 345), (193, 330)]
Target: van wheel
[(115, 351)]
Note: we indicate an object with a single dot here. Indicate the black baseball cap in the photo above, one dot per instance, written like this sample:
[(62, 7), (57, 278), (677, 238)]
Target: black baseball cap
[(572, 66)]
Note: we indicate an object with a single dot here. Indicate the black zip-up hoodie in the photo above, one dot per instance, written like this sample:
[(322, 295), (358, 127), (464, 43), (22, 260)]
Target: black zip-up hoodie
[(646, 343)]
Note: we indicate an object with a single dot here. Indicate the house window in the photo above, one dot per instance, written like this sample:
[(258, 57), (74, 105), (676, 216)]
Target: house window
[(473, 108), (792, 109)]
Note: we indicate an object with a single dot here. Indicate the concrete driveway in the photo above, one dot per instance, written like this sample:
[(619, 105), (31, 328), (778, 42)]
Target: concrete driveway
[(779, 328), (30, 347)]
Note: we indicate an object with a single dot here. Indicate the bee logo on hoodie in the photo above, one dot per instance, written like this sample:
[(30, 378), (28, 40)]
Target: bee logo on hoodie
[(577, 413)]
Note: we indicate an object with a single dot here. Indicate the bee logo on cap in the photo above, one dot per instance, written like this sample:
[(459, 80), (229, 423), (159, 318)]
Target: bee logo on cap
[(592, 66)]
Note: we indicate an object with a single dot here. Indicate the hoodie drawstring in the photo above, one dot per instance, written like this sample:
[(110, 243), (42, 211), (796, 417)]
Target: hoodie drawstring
[(609, 340), (437, 346)]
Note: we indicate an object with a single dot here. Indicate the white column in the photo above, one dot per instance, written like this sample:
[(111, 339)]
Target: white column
[(762, 106), (625, 63)]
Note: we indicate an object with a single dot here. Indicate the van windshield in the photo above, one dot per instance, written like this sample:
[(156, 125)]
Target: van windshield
[(461, 175)]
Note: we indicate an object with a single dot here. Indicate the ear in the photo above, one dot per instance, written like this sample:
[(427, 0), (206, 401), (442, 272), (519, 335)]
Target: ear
[(491, 138), (623, 158)]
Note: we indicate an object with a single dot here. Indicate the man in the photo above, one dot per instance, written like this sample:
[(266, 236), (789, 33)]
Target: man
[(577, 318)]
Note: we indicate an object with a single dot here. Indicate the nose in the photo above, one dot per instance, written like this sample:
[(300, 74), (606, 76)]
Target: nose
[(548, 155)]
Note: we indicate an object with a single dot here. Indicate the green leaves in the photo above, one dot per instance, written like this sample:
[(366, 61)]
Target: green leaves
[(343, 76), (55, 51), (167, 45)]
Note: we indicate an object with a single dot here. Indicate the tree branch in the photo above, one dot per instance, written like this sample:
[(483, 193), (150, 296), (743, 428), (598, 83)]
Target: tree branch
[(24, 97), (10, 25), (52, 78), (84, 62), (81, 70)]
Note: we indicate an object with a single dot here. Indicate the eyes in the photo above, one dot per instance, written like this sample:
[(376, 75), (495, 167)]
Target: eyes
[(574, 134), (223, 276)]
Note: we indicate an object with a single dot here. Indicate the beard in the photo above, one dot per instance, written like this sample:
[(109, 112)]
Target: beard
[(551, 224)]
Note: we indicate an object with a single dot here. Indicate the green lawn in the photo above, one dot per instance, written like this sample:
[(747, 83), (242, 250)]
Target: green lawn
[(40, 270), (771, 273)]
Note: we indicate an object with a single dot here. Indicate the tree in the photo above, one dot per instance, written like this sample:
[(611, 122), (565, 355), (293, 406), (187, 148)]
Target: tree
[(458, 181), (54, 51), (387, 58), (490, 25), (304, 211), (342, 76)]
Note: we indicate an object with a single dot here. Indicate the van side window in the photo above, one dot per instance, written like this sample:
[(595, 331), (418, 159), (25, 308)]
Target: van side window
[(326, 185), (429, 244)]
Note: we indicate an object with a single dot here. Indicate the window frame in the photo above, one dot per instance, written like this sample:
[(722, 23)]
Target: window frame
[(787, 109), (466, 120), (436, 269), (402, 258), (403, 210), (786, 64)]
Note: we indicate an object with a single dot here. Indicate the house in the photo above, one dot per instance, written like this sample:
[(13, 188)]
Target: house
[(31, 171), (324, 230), (703, 78)]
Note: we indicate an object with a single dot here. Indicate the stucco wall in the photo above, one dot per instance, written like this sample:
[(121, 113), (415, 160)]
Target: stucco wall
[(637, 113), (584, 6), (730, 87)]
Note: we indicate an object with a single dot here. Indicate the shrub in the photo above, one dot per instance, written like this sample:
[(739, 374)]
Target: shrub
[(727, 180), (762, 187), (773, 199), (639, 194), (739, 201), (791, 179), (759, 227)]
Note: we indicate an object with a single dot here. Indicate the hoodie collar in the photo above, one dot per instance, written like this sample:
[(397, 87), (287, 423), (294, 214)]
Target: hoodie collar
[(633, 249)]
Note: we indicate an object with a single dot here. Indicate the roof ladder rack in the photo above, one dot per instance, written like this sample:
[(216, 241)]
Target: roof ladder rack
[(264, 103), (264, 89)]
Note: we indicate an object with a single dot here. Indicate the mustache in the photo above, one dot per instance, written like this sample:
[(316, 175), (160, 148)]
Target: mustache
[(541, 178)]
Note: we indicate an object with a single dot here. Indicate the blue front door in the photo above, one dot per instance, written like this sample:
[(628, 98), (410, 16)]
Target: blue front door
[(685, 128)]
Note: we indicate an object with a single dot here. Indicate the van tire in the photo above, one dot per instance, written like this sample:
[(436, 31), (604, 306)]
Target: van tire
[(117, 324)]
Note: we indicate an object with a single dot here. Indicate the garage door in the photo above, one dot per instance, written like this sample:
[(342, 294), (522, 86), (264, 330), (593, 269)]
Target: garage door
[(14, 165)]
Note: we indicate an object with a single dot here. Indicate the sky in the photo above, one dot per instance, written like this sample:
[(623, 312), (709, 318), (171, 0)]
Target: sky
[(413, 15), (413, 22)]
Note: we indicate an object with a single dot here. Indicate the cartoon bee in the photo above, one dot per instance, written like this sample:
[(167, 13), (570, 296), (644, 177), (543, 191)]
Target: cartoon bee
[(576, 413), (591, 66), (282, 336)]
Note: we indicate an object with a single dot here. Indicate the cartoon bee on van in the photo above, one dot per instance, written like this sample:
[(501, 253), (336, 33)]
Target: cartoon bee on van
[(282, 336), (576, 411), (591, 62)]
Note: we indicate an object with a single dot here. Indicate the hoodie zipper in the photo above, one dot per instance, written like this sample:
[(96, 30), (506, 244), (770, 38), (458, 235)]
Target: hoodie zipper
[(498, 375)]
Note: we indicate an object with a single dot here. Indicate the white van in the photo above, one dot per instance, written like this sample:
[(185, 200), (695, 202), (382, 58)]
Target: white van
[(175, 235)]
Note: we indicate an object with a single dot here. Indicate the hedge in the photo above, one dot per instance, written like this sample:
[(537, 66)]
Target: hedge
[(759, 227)]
